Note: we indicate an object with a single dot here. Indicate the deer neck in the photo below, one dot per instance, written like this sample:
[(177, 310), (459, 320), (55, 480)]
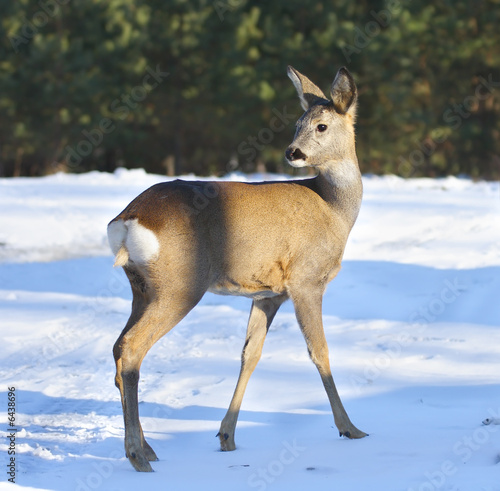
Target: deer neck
[(339, 184)]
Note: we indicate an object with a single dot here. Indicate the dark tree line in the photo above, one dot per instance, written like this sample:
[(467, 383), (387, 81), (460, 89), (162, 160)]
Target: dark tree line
[(200, 86)]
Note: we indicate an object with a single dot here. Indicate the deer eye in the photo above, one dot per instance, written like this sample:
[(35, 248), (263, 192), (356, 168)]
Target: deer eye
[(321, 127)]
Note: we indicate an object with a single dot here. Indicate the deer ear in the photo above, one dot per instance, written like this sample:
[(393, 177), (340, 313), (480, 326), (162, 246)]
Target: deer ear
[(309, 94), (343, 91)]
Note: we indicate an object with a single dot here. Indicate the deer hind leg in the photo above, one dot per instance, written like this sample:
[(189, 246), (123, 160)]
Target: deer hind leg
[(261, 316), (149, 321), (308, 308)]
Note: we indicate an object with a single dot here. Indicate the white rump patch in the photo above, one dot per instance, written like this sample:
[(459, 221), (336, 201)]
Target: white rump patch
[(117, 231), (141, 243)]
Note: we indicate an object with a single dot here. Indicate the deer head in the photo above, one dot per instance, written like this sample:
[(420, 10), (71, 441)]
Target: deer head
[(325, 132)]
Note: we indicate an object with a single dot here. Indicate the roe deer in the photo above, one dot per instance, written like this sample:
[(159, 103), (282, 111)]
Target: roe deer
[(269, 241)]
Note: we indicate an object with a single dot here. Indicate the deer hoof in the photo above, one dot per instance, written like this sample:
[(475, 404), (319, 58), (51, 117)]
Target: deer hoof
[(149, 452), (226, 442), (139, 461), (353, 434)]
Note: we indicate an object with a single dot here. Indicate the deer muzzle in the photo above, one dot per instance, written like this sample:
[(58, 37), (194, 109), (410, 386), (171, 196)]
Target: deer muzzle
[(293, 154)]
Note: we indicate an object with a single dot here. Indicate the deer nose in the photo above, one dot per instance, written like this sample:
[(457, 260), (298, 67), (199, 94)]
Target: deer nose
[(294, 154)]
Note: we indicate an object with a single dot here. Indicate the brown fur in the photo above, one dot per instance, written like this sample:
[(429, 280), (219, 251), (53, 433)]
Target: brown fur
[(269, 241)]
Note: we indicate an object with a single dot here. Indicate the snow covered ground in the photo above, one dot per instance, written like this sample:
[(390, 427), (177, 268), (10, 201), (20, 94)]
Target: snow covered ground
[(412, 320)]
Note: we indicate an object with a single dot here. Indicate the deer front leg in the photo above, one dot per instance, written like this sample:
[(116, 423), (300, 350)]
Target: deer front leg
[(261, 316), (308, 308)]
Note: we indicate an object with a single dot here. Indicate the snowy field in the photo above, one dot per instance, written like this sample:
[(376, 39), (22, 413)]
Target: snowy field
[(412, 320)]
